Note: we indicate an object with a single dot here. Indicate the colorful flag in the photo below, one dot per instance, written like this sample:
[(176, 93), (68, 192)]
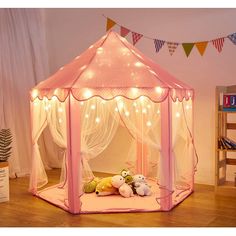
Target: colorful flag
[(172, 47), (201, 46), (232, 37), (187, 48), (218, 43), (110, 23), (158, 44), (124, 31), (136, 37)]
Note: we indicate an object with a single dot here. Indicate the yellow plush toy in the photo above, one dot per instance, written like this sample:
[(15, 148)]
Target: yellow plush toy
[(104, 187)]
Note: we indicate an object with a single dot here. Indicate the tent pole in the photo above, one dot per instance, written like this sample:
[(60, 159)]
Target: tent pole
[(166, 156), (73, 154)]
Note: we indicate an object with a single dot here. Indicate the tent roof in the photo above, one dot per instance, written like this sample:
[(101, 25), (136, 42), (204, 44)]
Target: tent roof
[(112, 67)]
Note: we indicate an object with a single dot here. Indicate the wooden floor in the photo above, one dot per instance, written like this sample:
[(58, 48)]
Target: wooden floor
[(202, 208)]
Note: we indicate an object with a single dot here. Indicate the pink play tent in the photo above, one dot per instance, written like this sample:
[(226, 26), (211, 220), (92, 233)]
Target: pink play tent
[(112, 87)]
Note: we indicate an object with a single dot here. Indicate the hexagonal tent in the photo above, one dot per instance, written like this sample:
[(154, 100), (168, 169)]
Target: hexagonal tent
[(113, 86)]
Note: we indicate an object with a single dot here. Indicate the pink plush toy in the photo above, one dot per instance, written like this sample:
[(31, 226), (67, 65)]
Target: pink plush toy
[(124, 189)]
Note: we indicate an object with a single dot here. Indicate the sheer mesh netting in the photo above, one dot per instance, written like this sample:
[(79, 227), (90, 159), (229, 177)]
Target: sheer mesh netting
[(110, 109)]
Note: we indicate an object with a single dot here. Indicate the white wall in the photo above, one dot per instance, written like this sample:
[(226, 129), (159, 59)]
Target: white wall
[(71, 31)]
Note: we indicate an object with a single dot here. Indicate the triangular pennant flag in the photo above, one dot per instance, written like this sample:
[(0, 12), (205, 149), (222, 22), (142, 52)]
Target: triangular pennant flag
[(232, 37), (172, 47), (110, 23), (136, 37), (187, 48), (158, 44), (218, 43), (124, 31), (201, 46)]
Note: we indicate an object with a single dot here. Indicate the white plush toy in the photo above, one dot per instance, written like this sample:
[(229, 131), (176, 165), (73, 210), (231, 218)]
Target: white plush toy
[(124, 189), (141, 186)]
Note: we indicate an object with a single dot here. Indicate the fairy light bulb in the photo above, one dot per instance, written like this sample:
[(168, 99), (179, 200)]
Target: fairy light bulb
[(93, 107), (177, 114), (148, 106), (120, 105), (138, 64), (60, 120), (46, 108), (144, 110), (97, 120), (54, 98), (158, 89), (81, 103), (86, 116), (100, 50), (134, 91), (116, 109), (60, 109), (136, 110), (34, 93), (149, 123), (134, 104), (187, 107), (127, 113), (158, 112), (88, 94), (103, 102)]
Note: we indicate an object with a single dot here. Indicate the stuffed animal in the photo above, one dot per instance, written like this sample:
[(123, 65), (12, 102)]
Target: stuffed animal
[(141, 186), (126, 175), (91, 185), (105, 187), (124, 189)]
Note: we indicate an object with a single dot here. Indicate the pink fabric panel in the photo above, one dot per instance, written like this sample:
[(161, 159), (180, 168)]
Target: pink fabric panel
[(166, 161), (112, 67), (73, 155)]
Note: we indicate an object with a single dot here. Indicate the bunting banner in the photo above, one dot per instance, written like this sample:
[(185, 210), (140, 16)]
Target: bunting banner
[(172, 47), (136, 37), (158, 44), (232, 37), (124, 31), (201, 46), (218, 43), (187, 48), (110, 23)]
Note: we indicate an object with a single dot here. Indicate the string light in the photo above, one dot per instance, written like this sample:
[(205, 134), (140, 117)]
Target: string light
[(86, 116), (61, 68), (187, 107), (136, 110), (97, 120), (116, 109), (60, 109), (88, 94), (34, 93), (134, 90), (81, 103), (158, 89), (149, 123), (158, 111), (138, 64), (127, 113), (60, 120), (54, 98), (149, 106), (177, 114), (120, 105), (134, 104), (99, 50), (144, 110), (93, 107)]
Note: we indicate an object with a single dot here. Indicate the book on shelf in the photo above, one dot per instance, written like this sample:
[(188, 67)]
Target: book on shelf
[(226, 143), (229, 102)]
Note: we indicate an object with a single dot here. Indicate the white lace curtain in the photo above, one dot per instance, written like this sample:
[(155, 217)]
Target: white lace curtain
[(23, 63)]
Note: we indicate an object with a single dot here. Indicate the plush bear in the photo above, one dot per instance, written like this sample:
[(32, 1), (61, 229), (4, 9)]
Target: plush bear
[(105, 187), (140, 185), (91, 185), (124, 189), (126, 175)]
